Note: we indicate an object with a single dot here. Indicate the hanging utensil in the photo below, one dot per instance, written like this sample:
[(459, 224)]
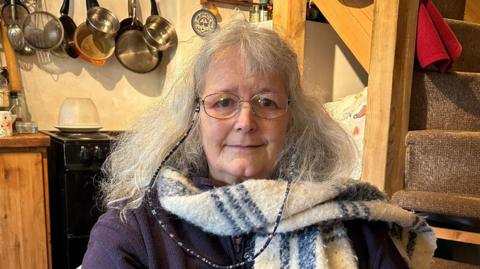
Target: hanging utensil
[(93, 48), (42, 30), (95, 51), (101, 21), (15, 33), (158, 32), (67, 47), (131, 20), (204, 22), (130, 48), (21, 11)]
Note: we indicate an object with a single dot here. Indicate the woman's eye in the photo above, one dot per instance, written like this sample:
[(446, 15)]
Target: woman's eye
[(224, 102), (265, 102)]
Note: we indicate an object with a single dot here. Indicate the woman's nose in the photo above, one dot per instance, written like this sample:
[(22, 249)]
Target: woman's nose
[(245, 118)]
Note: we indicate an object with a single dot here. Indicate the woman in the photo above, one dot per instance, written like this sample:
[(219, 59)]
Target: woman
[(255, 179)]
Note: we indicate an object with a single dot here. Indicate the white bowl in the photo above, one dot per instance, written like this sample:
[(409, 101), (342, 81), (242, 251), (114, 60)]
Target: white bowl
[(78, 112)]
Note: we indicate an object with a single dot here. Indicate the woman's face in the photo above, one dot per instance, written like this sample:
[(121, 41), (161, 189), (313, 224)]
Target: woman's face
[(245, 145)]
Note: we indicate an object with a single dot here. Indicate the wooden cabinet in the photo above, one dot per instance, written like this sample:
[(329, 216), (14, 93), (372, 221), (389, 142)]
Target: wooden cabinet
[(24, 210)]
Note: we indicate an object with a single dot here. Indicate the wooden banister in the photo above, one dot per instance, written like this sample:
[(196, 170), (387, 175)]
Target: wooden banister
[(389, 88), (457, 235)]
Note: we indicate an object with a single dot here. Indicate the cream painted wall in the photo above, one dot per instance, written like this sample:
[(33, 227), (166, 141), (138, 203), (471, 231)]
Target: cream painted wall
[(330, 69), (118, 93)]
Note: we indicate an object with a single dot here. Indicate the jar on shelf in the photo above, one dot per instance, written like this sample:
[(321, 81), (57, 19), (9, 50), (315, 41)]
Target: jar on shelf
[(18, 106), (254, 13), (4, 94), (263, 11)]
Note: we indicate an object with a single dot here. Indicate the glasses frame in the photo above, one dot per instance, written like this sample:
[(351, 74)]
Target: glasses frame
[(240, 101)]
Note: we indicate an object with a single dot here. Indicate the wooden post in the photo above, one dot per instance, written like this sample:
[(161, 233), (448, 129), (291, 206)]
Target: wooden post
[(389, 87), (289, 21)]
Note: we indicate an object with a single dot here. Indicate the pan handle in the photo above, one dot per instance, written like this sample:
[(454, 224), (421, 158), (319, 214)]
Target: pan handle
[(65, 7), (92, 3), (13, 10), (130, 8), (154, 7), (18, 2), (134, 11)]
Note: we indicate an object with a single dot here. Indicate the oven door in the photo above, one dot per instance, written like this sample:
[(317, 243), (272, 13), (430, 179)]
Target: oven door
[(82, 204)]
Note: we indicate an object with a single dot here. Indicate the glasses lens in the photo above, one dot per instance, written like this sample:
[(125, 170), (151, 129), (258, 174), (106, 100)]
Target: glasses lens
[(226, 105), (220, 105), (269, 105)]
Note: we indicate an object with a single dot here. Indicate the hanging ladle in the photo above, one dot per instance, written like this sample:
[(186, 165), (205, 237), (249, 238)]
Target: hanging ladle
[(15, 33)]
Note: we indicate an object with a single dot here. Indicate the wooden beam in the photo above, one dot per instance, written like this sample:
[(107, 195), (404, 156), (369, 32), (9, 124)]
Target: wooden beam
[(472, 11), (289, 22), (389, 87), (352, 20), (457, 235)]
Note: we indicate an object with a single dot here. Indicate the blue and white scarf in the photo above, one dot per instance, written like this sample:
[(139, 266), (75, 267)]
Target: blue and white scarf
[(311, 233)]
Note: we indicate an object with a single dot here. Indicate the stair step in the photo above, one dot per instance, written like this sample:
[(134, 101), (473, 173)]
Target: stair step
[(451, 9), (443, 161), (447, 264), (449, 101), (457, 205), (468, 34)]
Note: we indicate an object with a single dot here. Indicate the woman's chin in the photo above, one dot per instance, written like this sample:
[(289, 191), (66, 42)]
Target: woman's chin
[(235, 170), (246, 171)]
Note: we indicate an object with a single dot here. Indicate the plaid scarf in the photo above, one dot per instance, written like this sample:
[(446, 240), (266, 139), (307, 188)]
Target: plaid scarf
[(311, 233)]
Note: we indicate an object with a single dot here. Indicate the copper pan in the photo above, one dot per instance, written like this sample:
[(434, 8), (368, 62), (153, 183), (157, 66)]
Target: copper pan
[(91, 48)]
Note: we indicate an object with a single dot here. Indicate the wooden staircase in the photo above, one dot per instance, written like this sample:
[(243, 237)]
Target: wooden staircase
[(442, 167), (422, 137)]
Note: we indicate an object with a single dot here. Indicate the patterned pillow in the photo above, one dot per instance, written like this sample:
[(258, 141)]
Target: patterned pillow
[(349, 112)]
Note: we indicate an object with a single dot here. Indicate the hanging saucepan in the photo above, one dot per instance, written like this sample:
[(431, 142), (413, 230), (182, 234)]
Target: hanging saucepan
[(130, 47), (93, 50), (158, 32), (21, 11), (101, 21), (67, 48), (130, 21)]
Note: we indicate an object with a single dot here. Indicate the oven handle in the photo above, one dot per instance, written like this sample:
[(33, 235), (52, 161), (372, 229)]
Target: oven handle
[(81, 168)]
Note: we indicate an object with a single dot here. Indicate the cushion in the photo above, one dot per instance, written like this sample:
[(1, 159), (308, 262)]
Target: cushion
[(349, 112)]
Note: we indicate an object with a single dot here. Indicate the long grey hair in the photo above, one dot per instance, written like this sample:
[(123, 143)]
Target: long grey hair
[(321, 148)]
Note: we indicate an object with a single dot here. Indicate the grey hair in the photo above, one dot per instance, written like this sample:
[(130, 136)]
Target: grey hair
[(321, 148)]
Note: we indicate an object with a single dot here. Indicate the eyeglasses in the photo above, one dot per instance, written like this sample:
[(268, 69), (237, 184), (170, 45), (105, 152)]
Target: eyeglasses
[(225, 105)]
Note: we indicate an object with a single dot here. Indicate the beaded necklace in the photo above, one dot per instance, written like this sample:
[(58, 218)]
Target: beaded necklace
[(151, 192)]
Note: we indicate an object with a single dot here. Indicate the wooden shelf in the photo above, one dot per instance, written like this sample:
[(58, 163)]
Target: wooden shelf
[(25, 140)]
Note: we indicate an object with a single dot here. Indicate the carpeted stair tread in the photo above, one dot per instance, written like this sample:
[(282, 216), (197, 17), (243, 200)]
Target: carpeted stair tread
[(447, 264), (468, 34), (443, 161), (453, 9), (449, 101), (450, 204)]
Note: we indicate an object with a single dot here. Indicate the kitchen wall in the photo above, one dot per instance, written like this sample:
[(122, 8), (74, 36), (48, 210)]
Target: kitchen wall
[(120, 94)]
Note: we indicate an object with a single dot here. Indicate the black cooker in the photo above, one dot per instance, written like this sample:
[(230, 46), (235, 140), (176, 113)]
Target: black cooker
[(75, 161)]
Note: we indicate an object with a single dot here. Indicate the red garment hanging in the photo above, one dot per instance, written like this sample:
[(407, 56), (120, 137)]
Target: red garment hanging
[(436, 42)]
